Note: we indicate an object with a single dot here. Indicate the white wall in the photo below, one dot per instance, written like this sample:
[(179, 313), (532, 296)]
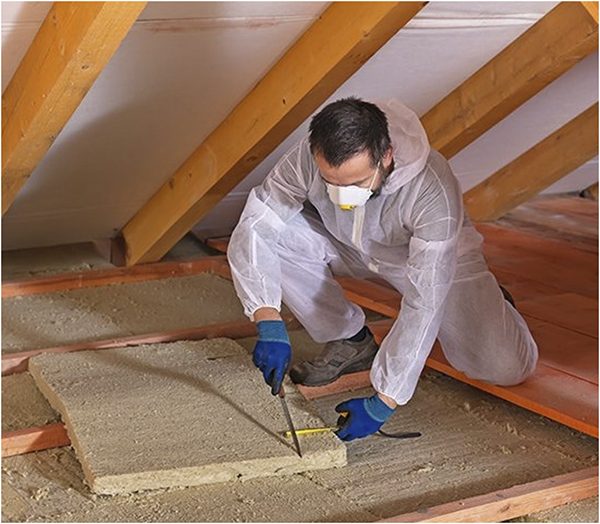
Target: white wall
[(185, 65)]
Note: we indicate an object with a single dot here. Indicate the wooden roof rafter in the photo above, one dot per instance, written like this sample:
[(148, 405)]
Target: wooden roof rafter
[(73, 45), (309, 72), (559, 40), (538, 168)]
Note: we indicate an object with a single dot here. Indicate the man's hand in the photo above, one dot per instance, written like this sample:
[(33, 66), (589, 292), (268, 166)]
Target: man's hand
[(272, 352), (364, 416)]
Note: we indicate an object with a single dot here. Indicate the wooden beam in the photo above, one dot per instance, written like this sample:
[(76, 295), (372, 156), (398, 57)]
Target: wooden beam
[(34, 439), (310, 71), (17, 362), (104, 277), (350, 382), (536, 169), (74, 43), (592, 8), (563, 37), (510, 503)]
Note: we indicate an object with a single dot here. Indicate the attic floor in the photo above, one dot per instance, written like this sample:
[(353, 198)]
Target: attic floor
[(472, 443)]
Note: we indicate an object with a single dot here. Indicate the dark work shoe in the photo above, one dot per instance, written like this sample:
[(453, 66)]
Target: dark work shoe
[(507, 296), (338, 358)]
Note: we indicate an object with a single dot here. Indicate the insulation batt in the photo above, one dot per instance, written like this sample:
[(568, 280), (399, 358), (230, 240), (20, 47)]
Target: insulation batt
[(291, 240)]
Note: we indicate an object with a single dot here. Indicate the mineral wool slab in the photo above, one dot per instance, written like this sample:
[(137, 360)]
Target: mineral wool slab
[(179, 414)]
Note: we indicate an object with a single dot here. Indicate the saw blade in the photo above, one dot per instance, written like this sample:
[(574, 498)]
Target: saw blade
[(288, 417)]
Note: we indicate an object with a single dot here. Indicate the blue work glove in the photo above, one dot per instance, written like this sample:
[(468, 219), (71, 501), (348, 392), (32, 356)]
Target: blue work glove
[(272, 352), (365, 416)]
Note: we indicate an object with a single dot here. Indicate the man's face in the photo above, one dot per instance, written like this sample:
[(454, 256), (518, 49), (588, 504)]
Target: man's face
[(357, 171)]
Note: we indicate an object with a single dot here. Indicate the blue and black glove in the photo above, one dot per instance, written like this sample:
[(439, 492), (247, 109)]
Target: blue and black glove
[(272, 352), (363, 417)]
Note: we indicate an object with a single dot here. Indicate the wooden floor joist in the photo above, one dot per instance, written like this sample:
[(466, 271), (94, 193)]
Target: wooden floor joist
[(510, 503), (38, 438), (17, 362), (103, 277)]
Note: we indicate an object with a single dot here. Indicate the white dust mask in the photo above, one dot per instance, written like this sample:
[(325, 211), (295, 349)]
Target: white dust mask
[(349, 197)]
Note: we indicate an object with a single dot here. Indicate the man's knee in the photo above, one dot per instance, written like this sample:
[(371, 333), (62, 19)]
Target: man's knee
[(510, 370)]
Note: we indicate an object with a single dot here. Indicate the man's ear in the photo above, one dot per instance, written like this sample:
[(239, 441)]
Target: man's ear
[(388, 158)]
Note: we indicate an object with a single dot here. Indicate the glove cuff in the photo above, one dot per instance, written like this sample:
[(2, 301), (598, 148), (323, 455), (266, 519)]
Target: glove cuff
[(272, 331), (377, 409)]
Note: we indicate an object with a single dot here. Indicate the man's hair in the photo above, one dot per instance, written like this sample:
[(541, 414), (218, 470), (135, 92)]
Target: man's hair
[(348, 127)]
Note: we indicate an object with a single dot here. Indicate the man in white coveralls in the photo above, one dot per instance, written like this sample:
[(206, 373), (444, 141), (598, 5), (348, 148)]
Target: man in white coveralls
[(364, 195)]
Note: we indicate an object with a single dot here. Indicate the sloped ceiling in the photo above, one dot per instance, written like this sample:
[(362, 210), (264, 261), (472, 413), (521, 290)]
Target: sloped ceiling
[(185, 65)]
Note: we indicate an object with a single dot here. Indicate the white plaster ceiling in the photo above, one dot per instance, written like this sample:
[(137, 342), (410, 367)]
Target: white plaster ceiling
[(185, 65)]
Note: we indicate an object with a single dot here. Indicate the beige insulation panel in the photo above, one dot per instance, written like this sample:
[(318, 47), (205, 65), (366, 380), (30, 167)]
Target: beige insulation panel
[(178, 414)]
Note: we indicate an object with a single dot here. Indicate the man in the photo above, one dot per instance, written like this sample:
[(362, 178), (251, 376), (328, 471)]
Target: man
[(364, 195)]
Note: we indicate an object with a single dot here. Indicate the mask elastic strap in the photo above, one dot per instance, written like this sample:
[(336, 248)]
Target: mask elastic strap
[(375, 175)]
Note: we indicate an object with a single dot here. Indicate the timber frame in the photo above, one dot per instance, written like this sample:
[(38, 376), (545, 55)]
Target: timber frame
[(492, 507), (563, 37)]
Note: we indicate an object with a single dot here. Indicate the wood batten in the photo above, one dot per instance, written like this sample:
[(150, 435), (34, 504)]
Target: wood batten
[(536, 169), (72, 46), (563, 37), (513, 502), (344, 37)]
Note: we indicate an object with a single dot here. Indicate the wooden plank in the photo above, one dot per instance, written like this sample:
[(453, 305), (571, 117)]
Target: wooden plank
[(552, 393), (564, 218), (568, 310), (566, 350), (104, 277), (17, 362), (541, 259), (309, 72), (348, 382), (34, 439), (538, 168), (520, 221), (71, 48), (563, 37), (580, 207), (510, 503), (220, 243), (521, 287)]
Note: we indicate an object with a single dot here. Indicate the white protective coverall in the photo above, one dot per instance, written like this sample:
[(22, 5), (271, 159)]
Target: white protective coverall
[(291, 240)]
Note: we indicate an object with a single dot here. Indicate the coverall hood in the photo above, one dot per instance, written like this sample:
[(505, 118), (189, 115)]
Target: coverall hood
[(410, 144)]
